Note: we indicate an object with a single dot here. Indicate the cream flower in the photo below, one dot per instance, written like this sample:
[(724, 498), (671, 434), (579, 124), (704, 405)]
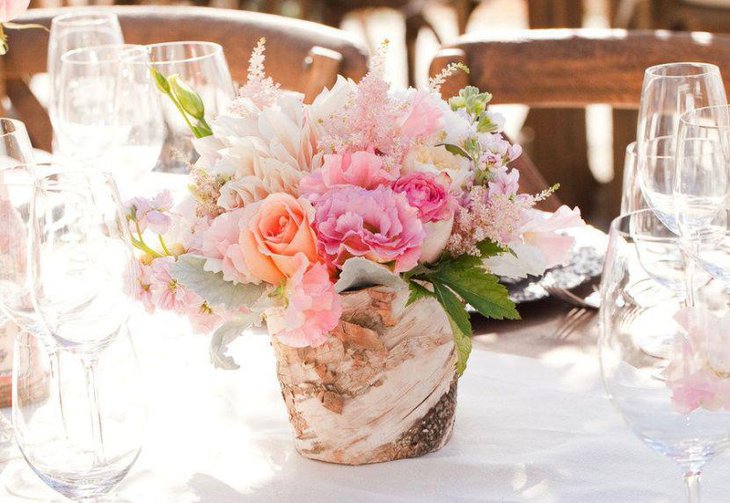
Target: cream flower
[(436, 159)]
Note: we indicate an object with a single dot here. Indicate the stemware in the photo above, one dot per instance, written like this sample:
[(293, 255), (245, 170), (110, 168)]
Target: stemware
[(203, 66), (108, 107), (63, 451), (73, 31), (669, 91), (82, 267), (676, 400)]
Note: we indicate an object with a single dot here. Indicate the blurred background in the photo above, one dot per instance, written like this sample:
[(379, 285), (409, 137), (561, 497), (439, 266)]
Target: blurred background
[(594, 137)]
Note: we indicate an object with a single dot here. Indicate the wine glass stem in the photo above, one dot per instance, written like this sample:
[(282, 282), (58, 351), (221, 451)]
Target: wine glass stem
[(93, 392), (55, 370), (689, 250), (692, 486)]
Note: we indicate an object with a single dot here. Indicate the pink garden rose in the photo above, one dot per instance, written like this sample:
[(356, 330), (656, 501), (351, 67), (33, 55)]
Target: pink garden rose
[(313, 308), (376, 224), (425, 193), (10, 9), (278, 231), (222, 249), (362, 169), (423, 118)]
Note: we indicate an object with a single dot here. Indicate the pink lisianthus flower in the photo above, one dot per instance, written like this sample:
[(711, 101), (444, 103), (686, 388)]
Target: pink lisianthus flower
[(152, 213), (425, 193), (10, 9), (423, 118), (362, 168), (504, 181), (313, 308), (222, 248), (167, 293), (376, 224)]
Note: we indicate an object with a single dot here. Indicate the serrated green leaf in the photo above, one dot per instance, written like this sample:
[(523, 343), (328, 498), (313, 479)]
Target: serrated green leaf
[(459, 321), (417, 292), (489, 248), (188, 271), (477, 287)]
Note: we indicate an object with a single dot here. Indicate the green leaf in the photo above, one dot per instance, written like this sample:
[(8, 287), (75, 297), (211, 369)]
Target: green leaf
[(460, 325), (456, 150), (417, 292), (483, 291), (489, 248), (188, 271)]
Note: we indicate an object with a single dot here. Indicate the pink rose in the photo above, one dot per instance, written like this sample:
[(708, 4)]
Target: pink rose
[(222, 248), (362, 168), (424, 192), (167, 293), (313, 308), (276, 233), (10, 9), (376, 224), (423, 118)]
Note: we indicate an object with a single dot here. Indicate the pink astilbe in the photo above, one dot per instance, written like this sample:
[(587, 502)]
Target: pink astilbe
[(482, 216), (261, 90)]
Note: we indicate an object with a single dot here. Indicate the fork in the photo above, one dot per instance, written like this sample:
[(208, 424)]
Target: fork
[(569, 297)]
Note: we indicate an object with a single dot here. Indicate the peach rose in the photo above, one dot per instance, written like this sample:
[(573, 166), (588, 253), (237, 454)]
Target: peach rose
[(278, 230)]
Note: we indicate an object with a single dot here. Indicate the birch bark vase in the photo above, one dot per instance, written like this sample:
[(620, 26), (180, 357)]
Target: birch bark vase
[(382, 388)]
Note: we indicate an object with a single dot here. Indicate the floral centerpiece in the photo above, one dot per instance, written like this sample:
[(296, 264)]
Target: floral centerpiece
[(358, 227)]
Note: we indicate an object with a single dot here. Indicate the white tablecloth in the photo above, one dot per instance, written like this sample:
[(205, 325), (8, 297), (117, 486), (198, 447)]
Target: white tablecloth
[(536, 428)]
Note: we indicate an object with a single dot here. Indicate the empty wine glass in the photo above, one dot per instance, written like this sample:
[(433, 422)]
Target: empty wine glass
[(67, 453), (109, 108), (74, 31), (15, 147), (82, 266), (677, 401), (669, 91), (203, 66)]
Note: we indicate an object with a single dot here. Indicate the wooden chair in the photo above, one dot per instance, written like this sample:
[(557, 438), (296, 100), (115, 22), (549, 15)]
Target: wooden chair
[(300, 55), (569, 68)]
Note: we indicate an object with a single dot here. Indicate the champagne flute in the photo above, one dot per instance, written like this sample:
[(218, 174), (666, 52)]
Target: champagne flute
[(203, 66), (73, 31), (64, 452), (109, 108), (677, 401)]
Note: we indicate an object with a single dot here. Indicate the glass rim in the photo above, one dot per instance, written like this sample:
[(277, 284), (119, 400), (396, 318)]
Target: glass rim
[(614, 229), (633, 147), (68, 57), (709, 68), (85, 17), (217, 49), (687, 117)]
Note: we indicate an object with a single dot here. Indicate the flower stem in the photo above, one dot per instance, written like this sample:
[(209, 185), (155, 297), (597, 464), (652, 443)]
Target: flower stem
[(162, 243)]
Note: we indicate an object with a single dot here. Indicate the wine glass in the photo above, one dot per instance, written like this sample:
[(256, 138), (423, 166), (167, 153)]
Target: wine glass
[(15, 147), (669, 91), (203, 66), (82, 267), (109, 108), (66, 453), (73, 31), (676, 401)]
